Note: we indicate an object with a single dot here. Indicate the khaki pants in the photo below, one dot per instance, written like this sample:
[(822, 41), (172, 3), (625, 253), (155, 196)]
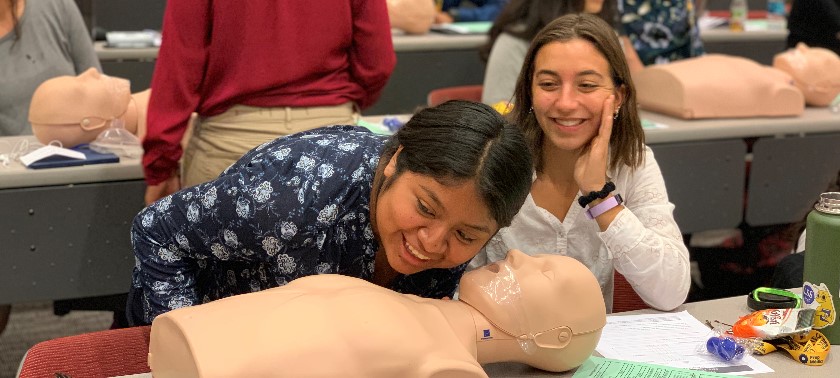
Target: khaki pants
[(219, 141)]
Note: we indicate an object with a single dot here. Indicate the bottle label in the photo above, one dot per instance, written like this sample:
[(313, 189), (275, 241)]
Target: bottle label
[(820, 299)]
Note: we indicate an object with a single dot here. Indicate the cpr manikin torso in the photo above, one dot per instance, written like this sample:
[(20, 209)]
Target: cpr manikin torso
[(332, 325), (815, 71), (718, 86), (76, 109)]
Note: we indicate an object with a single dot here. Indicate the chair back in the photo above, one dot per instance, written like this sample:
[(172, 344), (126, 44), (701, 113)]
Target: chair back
[(100, 354), (461, 92), (624, 297)]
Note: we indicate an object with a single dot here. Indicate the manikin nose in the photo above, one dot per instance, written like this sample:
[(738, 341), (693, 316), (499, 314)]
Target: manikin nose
[(91, 72), (433, 239)]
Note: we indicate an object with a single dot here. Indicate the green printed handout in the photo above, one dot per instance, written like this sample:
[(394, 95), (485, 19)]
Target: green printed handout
[(597, 367)]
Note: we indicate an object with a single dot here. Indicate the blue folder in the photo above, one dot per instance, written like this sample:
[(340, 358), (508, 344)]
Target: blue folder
[(91, 157)]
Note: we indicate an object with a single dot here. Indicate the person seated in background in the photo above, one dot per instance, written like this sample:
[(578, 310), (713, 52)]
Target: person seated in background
[(513, 31), (816, 23), (661, 31), (39, 39), (477, 10), (502, 314), (598, 194)]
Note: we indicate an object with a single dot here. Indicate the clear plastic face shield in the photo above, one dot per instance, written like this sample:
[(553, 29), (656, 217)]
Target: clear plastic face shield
[(115, 139), (495, 291)]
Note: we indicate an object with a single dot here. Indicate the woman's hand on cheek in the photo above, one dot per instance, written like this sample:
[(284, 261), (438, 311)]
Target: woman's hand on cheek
[(591, 165)]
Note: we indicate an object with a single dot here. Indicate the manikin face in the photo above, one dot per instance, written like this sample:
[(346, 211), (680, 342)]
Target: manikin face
[(89, 96), (423, 224), (534, 274), (533, 295), (593, 6), (570, 84)]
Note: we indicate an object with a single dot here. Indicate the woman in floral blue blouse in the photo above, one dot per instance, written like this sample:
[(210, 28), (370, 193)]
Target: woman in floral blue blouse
[(405, 212)]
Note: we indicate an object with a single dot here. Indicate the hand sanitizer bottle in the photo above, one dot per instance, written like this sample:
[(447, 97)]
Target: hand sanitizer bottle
[(738, 15)]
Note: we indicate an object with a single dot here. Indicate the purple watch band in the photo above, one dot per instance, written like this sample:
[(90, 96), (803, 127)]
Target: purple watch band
[(605, 206)]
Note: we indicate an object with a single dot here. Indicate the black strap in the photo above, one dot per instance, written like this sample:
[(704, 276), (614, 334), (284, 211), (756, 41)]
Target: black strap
[(603, 193)]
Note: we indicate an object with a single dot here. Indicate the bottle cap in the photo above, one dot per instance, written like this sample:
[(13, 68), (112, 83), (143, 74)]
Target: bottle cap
[(829, 203)]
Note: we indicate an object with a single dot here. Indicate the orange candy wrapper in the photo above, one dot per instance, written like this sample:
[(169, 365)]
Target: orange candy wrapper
[(774, 323)]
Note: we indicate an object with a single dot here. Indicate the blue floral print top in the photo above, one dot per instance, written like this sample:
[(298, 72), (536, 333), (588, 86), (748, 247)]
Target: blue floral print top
[(292, 207), (661, 30)]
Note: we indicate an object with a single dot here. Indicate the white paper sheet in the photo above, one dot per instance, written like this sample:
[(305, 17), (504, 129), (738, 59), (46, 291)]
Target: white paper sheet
[(50, 150), (671, 339)]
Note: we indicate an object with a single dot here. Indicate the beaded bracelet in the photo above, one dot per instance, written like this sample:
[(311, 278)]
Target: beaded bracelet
[(603, 193)]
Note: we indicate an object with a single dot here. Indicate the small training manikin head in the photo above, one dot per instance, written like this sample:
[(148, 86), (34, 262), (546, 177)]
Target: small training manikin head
[(551, 304), (815, 71), (75, 109)]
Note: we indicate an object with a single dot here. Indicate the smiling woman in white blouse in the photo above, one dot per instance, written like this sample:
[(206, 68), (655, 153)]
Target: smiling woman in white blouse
[(598, 194)]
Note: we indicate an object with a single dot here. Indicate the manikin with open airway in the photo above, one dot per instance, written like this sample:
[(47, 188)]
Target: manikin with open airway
[(545, 311)]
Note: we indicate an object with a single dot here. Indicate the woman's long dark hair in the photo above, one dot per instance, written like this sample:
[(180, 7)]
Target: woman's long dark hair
[(525, 18)]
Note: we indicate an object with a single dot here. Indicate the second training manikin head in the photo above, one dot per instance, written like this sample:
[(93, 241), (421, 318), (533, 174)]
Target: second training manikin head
[(815, 71), (332, 325), (75, 109)]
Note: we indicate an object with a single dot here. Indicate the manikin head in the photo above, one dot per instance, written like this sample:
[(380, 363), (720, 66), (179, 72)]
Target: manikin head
[(75, 109), (815, 71), (552, 305)]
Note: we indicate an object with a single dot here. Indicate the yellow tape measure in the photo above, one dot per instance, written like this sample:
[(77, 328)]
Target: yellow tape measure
[(809, 349)]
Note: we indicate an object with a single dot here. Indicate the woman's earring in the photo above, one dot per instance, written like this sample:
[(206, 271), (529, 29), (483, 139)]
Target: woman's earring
[(531, 110), (615, 115)]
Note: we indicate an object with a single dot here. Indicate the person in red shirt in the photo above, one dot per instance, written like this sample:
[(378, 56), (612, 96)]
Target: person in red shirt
[(255, 70)]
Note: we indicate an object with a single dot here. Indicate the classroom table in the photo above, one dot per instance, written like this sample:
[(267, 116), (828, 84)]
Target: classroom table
[(758, 45), (66, 230), (433, 60), (726, 310), (791, 161), (424, 62)]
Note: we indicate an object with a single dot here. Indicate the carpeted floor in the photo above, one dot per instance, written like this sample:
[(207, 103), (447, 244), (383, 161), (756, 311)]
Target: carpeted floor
[(31, 323)]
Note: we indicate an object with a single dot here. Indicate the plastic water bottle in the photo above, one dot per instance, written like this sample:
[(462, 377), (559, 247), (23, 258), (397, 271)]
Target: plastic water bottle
[(776, 19), (821, 272), (738, 15)]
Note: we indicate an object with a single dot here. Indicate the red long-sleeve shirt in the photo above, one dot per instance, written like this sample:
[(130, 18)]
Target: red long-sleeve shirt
[(265, 53)]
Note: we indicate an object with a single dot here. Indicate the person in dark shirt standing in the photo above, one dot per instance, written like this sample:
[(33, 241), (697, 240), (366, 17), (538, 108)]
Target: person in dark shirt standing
[(406, 212), (816, 23)]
